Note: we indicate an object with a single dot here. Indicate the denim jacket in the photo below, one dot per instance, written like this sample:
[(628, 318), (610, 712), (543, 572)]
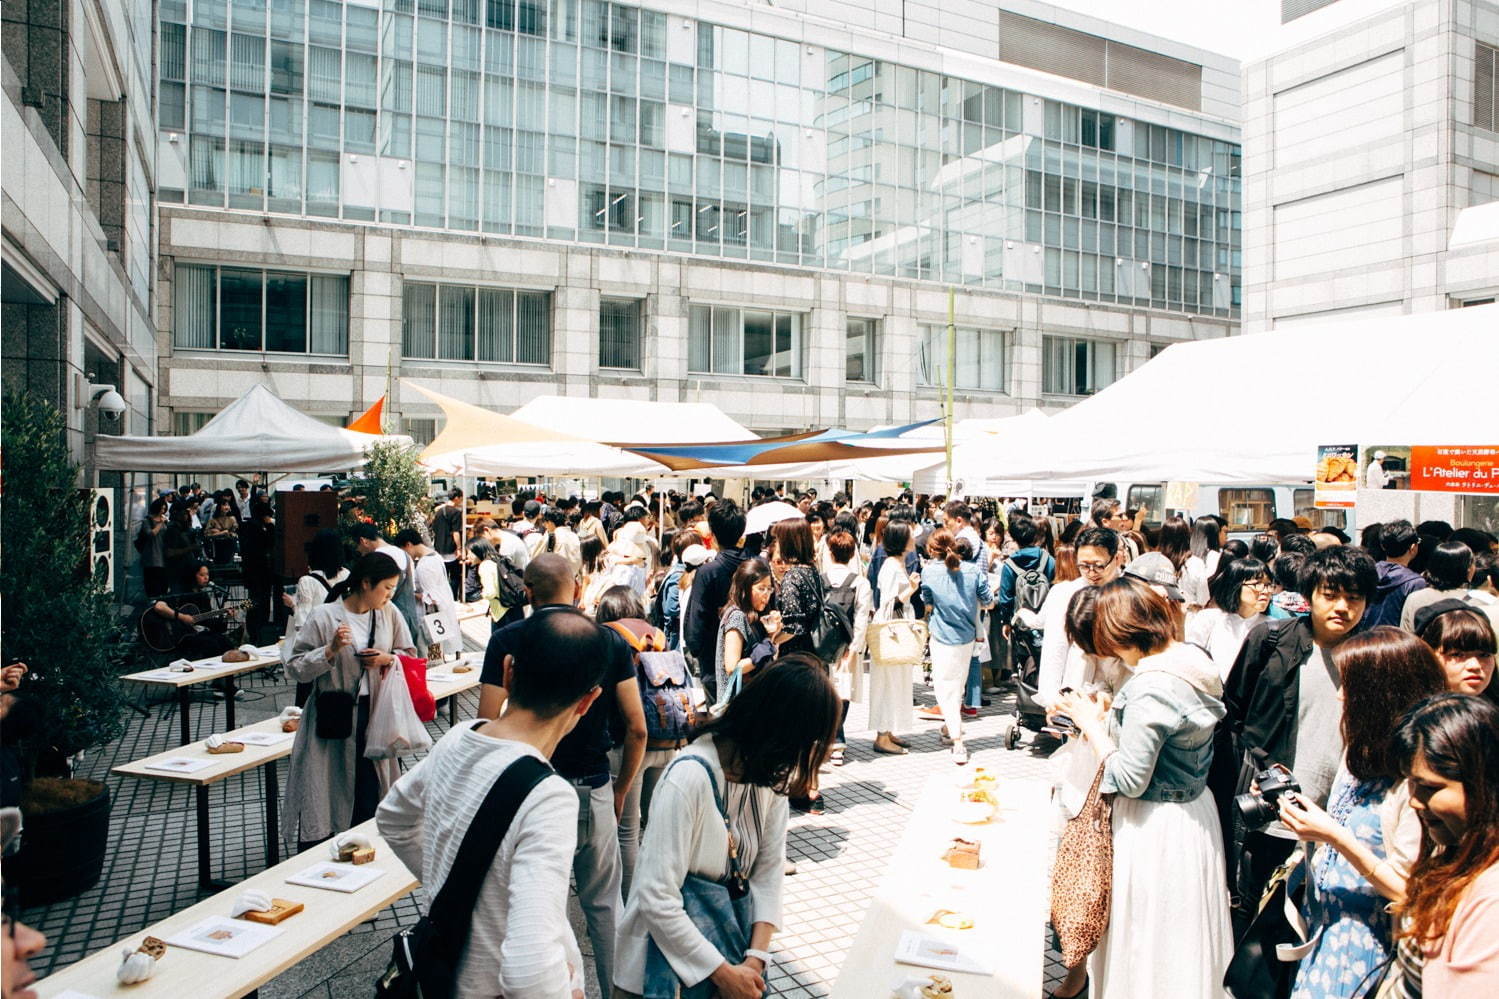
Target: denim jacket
[(1162, 723)]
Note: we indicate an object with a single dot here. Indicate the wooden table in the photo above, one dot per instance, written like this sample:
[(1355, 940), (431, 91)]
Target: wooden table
[(183, 973), (1008, 897), (222, 766), (204, 671), (450, 689)]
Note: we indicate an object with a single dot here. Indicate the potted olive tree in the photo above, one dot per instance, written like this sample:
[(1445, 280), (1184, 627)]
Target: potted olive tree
[(60, 621)]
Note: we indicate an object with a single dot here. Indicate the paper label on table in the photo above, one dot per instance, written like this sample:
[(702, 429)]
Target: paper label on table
[(933, 952), (336, 877), (73, 994), (180, 765), (265, 738), (436, 677), (223, 936), (163, 674)]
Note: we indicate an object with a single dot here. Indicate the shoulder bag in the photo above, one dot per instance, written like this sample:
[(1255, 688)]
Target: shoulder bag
[(1265, 960), (1082, 882), (425, 957), (721, 911)]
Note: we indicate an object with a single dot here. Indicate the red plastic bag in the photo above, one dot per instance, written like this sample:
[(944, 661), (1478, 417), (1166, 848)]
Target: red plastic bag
[(416, 682)]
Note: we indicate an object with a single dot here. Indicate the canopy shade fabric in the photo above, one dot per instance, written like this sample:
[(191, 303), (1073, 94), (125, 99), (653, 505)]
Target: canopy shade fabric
[(369, 420), (477, 441), (832, 445), (1254, 408), (633, 420), (255, 433)]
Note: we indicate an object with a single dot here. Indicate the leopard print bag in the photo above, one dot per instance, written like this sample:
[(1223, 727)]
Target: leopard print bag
[(1082, 880)]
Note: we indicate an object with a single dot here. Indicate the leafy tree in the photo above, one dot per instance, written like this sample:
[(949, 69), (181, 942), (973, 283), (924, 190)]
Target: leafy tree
[(58, 618), (393, 489)]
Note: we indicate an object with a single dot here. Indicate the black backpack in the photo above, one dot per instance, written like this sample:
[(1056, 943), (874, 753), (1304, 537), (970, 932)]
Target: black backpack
[(511, 583), (425, 957), (833, 632), (656, 613), (1031, 588)]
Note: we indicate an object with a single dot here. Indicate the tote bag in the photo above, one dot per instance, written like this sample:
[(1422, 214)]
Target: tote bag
[(897, 642), (1082, 882)]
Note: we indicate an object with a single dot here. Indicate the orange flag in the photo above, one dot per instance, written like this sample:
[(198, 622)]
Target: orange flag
[(369, 420)]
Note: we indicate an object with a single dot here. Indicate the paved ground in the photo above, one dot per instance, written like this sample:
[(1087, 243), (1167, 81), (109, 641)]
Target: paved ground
[(151, 871)]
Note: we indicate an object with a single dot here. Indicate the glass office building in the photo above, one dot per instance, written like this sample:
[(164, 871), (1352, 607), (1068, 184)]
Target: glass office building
[(585, 122)]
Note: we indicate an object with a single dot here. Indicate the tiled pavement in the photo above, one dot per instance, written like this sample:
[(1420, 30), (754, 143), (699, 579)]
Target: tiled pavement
[(151, 871)]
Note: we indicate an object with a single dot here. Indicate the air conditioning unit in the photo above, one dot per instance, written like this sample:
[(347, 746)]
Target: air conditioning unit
[(101, 555)]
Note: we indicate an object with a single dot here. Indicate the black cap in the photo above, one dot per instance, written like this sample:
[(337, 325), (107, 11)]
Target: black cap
[(1431, 612)]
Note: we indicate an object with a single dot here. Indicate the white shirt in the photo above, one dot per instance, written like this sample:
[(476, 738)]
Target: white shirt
[(431, 579), (1375, 477), (686, 836), (1222, 634), (1194, 578), (243, 503), (520, 943), (1059, 658), (402, 560)]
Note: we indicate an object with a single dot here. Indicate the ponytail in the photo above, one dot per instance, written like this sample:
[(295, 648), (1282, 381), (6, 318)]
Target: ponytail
[(941, 546)]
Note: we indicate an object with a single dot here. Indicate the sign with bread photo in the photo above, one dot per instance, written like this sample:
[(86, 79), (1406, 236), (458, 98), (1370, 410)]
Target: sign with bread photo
[(1336, 479)]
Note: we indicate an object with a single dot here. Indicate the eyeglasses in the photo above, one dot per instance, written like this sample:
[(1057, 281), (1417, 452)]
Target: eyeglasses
[(1259, 584), (1093, 566)]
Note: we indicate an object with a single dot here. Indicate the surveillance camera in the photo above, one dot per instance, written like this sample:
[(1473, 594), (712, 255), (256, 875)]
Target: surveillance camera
[(111, 404)]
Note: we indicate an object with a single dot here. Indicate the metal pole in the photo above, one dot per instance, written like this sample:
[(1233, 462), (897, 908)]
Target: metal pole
[(951, 376)]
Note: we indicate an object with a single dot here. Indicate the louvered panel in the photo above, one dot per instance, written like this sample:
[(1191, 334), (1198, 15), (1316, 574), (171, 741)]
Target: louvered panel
[(1154, 76), (1290, 10), (1486, 77), (1051, 49)]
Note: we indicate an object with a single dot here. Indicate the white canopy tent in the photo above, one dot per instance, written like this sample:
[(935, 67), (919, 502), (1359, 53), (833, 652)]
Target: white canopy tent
[(1255, 408), (973, 474), (255, 433)]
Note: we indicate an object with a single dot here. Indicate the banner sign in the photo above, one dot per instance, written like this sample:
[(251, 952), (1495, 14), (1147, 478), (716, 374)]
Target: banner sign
[(1336, 481), (1455, 469)]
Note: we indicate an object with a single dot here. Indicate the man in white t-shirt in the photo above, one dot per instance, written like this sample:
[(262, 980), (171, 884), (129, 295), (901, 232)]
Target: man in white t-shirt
[(520, 941), (1375, 477), (1098, 562)]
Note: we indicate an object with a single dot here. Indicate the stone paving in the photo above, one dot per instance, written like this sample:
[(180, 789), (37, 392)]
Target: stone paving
[(151, 871)]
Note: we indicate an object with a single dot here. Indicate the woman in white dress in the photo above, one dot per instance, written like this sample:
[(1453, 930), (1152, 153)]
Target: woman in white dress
[(433, 592), (1169, 931), (1201, 563), (1241, 595), (890, 683), (842, 549)]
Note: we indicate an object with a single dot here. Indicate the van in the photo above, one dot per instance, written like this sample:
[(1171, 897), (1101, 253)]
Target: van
[(1248, 509)]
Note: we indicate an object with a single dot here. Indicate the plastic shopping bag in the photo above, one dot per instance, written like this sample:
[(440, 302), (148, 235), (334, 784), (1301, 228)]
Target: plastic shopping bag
[(1072, 769), (394, 729)]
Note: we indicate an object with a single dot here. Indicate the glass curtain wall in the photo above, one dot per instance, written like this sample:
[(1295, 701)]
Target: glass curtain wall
[(590, 121)]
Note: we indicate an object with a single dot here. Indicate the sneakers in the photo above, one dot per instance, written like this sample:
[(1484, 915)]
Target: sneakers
[(959, 753), (970, 712), (991, 690), (931, 712)]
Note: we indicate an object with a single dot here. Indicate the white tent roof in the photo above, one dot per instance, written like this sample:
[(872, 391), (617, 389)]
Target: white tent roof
[(633, 421), (255, 433), (1255, 408)]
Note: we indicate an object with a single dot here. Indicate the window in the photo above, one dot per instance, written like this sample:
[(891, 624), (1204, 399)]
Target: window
[(619, 333), (1246, 509), (457, 323), (744, 342), (1151, 499), (1076, 367), (860, 351), (238, 308), (1303, 505), (980, 359), (188, 423), (422, 431), (1485, 82)]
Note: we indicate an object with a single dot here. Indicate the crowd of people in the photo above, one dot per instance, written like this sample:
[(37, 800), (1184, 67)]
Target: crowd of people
[(1288, 712)]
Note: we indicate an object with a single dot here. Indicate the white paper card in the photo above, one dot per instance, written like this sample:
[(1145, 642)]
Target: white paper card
[(73, 994), (933, 952), (180, 765), (336, 877), (435, 676), (265, 738), (164, 674), (224, 936)]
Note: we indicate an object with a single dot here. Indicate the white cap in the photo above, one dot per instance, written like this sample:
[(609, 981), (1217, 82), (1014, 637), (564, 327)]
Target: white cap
[(695, 555), (1379, 455)]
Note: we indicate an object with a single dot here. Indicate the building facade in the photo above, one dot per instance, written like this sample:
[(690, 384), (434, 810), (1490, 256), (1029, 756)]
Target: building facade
[(77, 156), (757, 206), (1367, 133)]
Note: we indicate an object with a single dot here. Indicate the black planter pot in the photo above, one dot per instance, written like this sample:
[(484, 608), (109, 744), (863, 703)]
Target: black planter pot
[(62, 852)]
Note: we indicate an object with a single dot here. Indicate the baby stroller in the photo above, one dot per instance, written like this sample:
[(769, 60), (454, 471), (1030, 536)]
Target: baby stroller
[(1025, 667)]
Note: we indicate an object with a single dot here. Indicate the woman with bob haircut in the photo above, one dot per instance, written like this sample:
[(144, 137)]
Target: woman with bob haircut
[(1463, 640), (955, 590), (1448, 940), (799, 595), (1448, 572), (1369, 823), (750, 768), (1156, 742), (1241, 591)]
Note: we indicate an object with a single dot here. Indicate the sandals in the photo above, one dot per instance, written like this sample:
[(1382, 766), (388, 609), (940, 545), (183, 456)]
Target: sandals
[(837, 758)]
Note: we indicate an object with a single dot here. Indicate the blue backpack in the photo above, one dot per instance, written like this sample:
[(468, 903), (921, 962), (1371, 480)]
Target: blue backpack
[(667, 692)]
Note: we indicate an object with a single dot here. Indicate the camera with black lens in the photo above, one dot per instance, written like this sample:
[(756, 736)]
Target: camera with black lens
[(1260, 806)]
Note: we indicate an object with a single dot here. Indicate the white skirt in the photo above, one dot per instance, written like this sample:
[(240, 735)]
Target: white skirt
[(890, 698), (1169, 933)]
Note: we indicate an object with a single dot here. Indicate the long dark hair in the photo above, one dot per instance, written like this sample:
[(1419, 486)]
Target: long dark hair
[(750, 572), (794, 542), (1385, 671), (1205, 537), (1458, 735), (1174, 541), (796, 693), (325, 553)]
